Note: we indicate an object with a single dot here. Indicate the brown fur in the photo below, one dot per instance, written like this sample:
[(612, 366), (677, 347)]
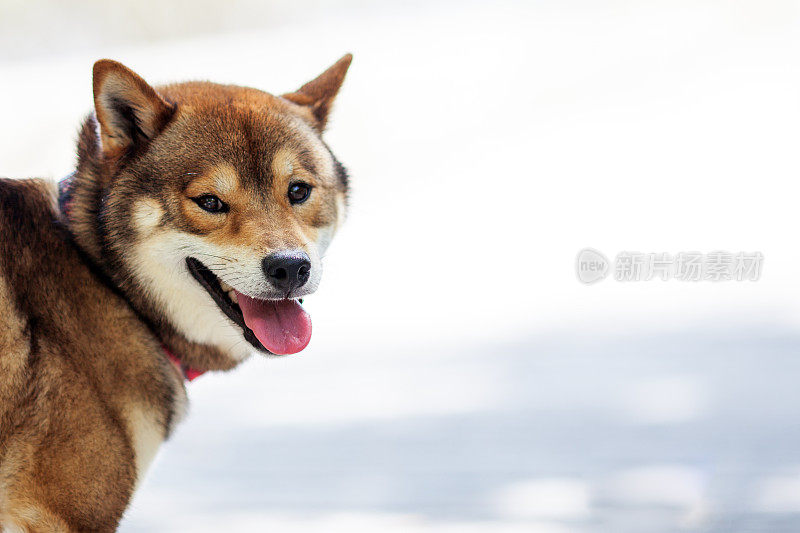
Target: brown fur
[(81, 358)]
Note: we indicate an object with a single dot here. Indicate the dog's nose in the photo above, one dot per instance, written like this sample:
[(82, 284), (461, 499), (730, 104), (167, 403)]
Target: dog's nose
[(287, 270)]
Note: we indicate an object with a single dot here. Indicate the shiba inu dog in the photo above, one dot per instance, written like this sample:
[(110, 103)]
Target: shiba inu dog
[(194, 223)]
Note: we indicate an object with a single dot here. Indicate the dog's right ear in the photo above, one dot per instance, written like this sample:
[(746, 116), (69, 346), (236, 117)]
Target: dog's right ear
[(129, 111)]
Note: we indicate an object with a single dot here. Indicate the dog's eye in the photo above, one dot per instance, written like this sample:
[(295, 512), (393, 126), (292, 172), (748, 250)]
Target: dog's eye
[(211, 203), (299, 192)]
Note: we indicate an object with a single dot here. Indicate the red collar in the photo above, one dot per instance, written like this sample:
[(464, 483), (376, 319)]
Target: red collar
[(65, 205), (187, 372)]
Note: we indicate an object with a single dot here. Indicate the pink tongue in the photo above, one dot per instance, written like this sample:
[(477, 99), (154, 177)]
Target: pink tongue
[(282, 326)]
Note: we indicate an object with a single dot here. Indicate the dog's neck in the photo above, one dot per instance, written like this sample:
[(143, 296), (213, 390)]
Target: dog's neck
[(81, 198)]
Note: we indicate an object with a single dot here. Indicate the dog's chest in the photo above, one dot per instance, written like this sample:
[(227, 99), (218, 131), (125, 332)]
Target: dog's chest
[(147, 430)]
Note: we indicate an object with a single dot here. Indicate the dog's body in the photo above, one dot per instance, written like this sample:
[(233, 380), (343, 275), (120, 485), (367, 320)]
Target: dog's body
[(86, 395), (197, 216)]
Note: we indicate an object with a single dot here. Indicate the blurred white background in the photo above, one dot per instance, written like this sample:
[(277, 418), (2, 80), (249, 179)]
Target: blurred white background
[(460, 377)]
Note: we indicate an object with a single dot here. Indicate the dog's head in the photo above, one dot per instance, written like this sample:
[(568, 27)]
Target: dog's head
[(218, 202)]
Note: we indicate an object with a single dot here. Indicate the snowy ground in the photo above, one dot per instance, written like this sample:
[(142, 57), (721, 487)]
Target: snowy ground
[(696, 431), (460, 378)]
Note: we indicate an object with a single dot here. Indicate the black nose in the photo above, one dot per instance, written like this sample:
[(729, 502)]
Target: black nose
[(287, 270)]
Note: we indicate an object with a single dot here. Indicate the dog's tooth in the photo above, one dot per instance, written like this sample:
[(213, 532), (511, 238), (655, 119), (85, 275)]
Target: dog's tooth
[(225, 286), (232, 296)]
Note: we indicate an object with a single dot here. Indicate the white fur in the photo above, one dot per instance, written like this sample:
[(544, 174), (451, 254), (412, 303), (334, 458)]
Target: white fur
[(11, 527), (160, 265), (146, 434)]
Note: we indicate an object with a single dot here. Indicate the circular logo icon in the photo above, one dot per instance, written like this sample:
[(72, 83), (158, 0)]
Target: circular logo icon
[(591, 266)]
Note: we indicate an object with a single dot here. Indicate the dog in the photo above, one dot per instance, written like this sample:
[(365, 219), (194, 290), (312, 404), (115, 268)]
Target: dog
[(194, 224)]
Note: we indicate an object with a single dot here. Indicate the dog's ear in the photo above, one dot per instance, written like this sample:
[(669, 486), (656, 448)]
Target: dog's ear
[(129, 111), (318, 94)]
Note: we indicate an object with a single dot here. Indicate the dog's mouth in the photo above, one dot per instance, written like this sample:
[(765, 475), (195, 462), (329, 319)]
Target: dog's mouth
[(279, 327)]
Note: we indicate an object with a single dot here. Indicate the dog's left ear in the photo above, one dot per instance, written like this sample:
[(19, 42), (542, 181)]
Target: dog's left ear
[(129, 111), (318, 94)]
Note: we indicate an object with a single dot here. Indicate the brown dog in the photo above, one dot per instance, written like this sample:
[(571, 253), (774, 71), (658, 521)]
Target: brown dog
[(195, 220)]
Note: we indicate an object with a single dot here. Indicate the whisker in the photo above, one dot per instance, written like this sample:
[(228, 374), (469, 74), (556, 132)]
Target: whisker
[(229, 259)]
